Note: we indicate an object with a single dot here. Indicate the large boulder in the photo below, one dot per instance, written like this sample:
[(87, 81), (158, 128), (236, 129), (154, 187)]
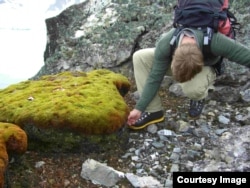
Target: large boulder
[(102, 34), (105, 34)]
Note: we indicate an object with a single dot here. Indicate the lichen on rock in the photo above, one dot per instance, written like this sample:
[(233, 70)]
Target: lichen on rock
[(90, 103)]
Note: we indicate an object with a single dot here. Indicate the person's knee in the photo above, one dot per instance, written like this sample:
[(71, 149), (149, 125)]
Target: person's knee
[(198, 87), (137, 56), (143, 59), (195, 93), (138, 62)]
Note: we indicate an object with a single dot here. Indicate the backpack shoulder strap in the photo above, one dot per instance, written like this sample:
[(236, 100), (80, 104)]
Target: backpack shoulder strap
[(208, 34), (173, 42)]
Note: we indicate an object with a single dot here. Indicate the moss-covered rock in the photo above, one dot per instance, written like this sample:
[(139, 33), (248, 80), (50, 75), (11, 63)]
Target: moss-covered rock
[(56, 141), (12, 140), (87, 103)]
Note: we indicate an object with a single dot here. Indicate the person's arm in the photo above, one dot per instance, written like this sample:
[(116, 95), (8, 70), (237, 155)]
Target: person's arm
[(230, 49), (160, 65)]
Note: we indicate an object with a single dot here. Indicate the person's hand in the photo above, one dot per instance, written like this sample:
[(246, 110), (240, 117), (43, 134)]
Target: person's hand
[(134, 115)]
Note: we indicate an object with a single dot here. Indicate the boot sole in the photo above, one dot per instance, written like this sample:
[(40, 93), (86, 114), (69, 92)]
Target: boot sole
[(145, 125)]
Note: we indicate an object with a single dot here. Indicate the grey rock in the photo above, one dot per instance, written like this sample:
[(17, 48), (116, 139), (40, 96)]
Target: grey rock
[(224, 120), (100, 173), (137, 181)]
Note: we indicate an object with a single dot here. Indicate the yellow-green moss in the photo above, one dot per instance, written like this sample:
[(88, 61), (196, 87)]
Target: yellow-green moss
[(90, 103)]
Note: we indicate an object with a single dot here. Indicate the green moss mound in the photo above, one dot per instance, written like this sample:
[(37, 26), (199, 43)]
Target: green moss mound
[(89, 103)]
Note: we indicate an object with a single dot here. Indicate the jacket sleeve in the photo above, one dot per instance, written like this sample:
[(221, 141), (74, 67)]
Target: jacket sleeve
[(230, 49), (160, 66)]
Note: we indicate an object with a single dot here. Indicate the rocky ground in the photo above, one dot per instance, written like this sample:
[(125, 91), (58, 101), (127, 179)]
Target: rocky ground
[(217, 141)]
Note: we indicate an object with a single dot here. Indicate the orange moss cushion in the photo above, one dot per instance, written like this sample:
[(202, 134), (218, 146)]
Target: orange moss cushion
[(12, 139)]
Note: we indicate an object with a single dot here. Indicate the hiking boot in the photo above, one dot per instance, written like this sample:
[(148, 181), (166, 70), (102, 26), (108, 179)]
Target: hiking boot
[(196, 107), (146, 119)]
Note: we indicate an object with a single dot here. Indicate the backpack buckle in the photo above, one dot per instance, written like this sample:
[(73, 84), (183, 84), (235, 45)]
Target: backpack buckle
[(208, 36), (210, 32), (172, 42)]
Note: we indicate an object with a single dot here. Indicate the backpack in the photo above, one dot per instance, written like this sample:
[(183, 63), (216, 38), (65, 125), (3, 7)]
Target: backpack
[(207, 15)]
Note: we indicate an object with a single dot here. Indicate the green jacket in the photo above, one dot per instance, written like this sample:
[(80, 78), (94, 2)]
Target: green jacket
[(220, 46)]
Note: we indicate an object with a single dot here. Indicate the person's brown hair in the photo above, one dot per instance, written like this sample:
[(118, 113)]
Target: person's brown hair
[(187, 62)]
